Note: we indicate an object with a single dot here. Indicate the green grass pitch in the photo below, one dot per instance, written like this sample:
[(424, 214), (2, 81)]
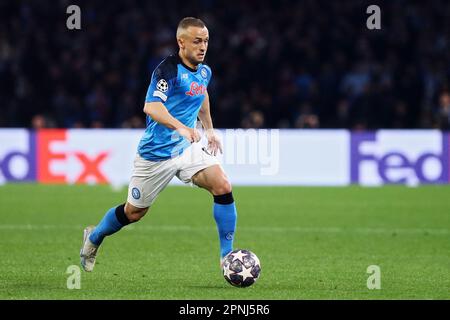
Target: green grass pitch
[(313, 243)]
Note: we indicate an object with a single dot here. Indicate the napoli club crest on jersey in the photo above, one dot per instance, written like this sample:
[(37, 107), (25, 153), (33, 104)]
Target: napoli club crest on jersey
[(204, 73), (136, 193)]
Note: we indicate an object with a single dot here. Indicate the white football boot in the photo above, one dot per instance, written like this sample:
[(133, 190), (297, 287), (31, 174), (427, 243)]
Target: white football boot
[(88, 251)]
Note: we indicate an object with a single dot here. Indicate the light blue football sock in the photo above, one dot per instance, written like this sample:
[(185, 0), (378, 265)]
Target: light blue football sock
[(225, 216), (109, 224)]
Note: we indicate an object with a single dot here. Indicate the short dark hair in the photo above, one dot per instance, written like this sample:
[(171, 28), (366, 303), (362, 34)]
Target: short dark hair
[(190, 22)]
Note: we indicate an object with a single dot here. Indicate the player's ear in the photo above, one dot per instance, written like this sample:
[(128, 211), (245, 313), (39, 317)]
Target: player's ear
[(180, 43)]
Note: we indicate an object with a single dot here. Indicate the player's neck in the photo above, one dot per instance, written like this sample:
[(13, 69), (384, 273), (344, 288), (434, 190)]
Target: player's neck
[(186, 62)]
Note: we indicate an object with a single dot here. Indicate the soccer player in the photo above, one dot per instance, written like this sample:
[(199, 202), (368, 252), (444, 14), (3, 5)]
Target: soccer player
[(176, 96)]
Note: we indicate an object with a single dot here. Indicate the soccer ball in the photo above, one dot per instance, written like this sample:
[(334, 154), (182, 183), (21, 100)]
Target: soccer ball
[(241, 268)]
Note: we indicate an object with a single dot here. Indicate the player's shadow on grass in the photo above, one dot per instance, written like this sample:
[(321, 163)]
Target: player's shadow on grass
[(210, 286)]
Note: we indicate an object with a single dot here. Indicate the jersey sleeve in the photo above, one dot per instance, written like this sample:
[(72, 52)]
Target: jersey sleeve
[(209, 73), (162, 84)]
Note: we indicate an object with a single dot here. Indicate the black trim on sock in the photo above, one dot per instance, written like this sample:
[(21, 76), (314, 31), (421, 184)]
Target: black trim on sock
[(121, 216), (226, 198)]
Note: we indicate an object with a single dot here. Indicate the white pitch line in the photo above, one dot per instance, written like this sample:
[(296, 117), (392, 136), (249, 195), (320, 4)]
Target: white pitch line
[(176, 228)]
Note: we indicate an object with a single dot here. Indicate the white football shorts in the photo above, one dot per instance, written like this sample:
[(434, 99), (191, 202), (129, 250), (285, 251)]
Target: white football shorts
[(149, 178)]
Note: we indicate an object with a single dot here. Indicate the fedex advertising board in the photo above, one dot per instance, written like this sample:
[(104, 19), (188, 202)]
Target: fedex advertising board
[(67, 156), (399, 157), (251, 157)]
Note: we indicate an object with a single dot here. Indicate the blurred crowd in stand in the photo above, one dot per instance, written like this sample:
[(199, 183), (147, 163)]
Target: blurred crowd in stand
[(276, 64)]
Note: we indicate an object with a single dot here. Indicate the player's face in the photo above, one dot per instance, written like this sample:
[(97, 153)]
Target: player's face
[(195, 44)]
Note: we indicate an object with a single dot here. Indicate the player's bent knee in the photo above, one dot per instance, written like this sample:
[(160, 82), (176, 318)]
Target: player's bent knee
[(133, 213), (136, 216), (223, 187)]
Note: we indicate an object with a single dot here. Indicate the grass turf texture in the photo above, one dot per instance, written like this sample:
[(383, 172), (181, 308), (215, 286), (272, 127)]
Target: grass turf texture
[(313, 243)]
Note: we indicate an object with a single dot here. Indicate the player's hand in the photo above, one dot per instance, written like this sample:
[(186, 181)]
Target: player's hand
[(214, 143), (192, 135)]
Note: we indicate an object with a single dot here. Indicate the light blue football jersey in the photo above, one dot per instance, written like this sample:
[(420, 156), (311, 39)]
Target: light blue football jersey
[(182, 90)]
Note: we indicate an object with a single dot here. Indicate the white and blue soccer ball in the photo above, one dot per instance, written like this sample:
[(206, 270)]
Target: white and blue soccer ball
[(241, 268)]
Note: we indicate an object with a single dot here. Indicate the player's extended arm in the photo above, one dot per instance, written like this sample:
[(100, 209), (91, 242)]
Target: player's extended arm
[(204, 115), (158, 112)]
